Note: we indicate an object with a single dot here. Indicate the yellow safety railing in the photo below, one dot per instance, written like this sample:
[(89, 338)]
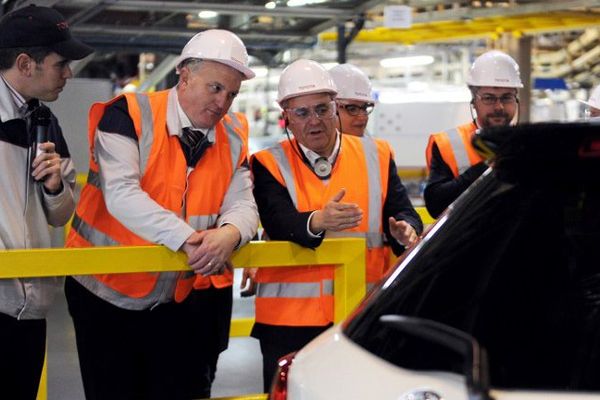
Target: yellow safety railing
[(425, 217), (348, 256)]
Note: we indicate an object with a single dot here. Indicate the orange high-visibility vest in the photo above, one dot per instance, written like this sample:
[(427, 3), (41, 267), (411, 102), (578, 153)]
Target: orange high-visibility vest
[(303, 296), (163, 177), (455, 148)]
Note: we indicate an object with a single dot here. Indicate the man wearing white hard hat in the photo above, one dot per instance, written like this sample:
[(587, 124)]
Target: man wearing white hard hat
[(593, 105), (451, 159), (316, 185), (354, 99), (167, 168)]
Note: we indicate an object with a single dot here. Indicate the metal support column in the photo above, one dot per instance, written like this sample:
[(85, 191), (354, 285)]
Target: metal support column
[(520, 50), (343, 41)]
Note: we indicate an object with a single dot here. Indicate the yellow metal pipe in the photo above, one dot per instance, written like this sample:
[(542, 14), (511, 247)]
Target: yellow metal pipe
[(445, 31), (108, 260)]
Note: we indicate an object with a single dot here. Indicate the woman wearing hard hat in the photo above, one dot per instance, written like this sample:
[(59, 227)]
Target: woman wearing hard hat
[(354, 99)]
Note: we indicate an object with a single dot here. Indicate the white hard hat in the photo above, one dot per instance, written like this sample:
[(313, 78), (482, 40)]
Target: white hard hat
[(220, 46), (594, 100), (304, 77), (351, 82), (494, 68)]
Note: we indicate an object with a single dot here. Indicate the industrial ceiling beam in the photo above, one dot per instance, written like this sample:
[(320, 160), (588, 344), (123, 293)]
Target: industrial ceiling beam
[(446, 31), (466, 13), (361, 9), (120, 30), (226, 8), (89, 12)]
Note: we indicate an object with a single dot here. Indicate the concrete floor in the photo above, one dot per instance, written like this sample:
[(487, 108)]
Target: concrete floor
[(238, 372)]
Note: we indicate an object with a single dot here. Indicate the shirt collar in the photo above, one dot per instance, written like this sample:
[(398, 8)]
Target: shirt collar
[(177, 120), (12, 104), (313, 156)]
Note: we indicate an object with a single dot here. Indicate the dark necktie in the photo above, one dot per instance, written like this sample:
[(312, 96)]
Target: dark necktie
[(194, 143)]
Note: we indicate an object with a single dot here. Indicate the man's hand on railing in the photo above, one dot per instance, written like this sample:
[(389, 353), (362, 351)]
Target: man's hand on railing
[(248, 285), (209, 251)]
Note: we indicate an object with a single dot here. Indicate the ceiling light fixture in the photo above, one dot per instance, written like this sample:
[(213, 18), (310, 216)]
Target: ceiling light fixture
[(409, 61), (260, 72), (270, 5), (207, 14), (300, 3)]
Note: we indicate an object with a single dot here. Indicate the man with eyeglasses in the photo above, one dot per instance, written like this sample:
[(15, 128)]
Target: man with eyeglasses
[(167, 168), (320, 184), (453, 164)]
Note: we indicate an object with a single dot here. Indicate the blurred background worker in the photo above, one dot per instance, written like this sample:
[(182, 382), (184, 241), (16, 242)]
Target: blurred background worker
[(354, 100), (453, 164), (320, 184), (592, 113), (166, 168), (37, 180)]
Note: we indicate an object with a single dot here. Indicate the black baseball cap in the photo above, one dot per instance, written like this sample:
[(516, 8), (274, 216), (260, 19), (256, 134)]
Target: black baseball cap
[(36, 26)]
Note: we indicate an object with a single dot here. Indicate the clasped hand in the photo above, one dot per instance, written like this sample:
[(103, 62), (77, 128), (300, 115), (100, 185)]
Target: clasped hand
[(209, 251)]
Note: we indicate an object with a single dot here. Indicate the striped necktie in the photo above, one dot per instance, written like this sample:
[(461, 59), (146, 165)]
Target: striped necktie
[(194, 143)]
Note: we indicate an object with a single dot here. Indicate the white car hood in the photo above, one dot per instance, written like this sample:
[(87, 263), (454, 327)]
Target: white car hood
[(334, 367)]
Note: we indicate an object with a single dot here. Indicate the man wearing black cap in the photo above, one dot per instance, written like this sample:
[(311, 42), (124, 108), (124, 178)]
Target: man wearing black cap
[(37, 180)]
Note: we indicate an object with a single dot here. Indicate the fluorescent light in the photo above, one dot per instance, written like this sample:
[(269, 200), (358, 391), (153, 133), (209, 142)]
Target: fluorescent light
[(207, 14), (410, 61), (260, 71), (300, 3), (270, 5)]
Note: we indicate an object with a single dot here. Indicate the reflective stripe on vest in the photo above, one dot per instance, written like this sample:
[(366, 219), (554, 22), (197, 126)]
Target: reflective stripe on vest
[(460, 152), (375, 200), (235, 142), (147, 122), (295, 290), (374, 239), (286, 171), (91, 234)]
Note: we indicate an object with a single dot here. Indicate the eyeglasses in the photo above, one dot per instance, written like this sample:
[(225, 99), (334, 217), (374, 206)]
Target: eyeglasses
[(321, 111), (355, 109), (490, 99)]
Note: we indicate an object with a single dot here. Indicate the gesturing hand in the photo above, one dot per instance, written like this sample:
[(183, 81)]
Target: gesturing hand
[(403, 232), (336, 215)]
